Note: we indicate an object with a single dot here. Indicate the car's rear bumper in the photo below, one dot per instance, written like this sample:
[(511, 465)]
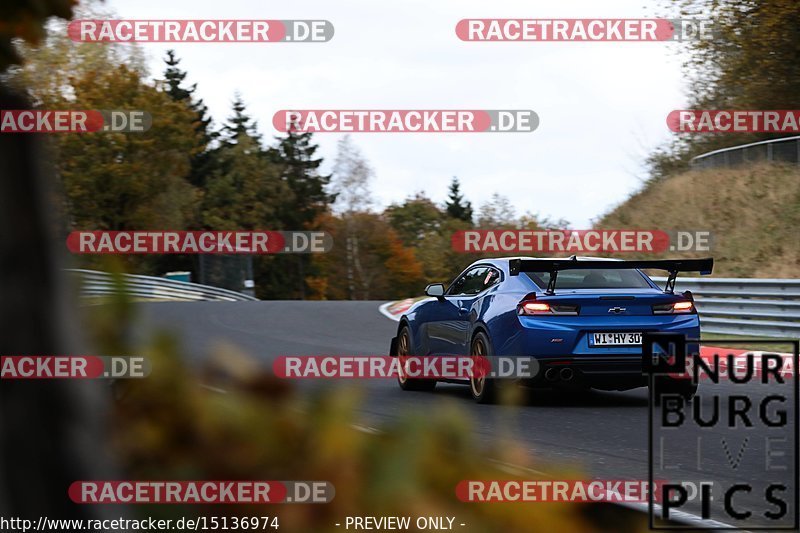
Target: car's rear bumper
[(611, 372), (571, 336), (605, 371)]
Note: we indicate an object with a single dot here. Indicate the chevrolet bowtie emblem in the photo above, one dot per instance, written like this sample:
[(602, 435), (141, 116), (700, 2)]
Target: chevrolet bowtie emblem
[(617, 310)]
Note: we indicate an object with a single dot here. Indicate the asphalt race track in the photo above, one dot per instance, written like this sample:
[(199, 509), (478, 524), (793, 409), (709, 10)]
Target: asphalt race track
[(603, 433)]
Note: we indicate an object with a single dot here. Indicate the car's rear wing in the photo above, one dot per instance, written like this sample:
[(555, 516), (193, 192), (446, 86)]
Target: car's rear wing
[(553, 266)]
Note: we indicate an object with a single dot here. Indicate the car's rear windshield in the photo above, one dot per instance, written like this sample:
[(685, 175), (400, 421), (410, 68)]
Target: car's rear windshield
[(592, 279)]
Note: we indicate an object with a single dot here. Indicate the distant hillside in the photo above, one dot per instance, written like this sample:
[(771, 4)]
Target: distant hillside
[(753, 213)]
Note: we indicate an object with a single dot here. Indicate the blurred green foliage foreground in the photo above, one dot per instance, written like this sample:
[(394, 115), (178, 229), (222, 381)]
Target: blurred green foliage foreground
[(25, 19), (169, 426)]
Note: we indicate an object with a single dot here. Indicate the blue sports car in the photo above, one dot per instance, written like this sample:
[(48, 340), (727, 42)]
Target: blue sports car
[(582, 319)]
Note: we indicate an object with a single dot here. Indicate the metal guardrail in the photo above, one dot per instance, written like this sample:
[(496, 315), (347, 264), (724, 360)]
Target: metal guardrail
[(734, 306), (95, 283), (786, 150)]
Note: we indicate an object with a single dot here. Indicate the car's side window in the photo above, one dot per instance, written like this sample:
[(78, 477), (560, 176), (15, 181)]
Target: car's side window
[(472, 281)]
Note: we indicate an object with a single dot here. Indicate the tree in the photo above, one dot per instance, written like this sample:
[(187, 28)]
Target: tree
[(51, 65), (246, 191), (497, 213), (111, 180), (456, 207), (127, 181), (295, 155), (534, 221), (351, 177), (370, 259), (387, 268), (307, 201), (243, 192), (417, 218), (428, 230), (240, 124), (750, 63), (202, 159)]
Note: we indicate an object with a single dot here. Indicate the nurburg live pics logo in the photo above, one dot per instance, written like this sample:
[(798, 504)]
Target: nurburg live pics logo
[(741, 430)]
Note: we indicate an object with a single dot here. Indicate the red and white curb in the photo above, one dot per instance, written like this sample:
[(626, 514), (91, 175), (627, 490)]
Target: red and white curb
[(394, 310), (739, 358)]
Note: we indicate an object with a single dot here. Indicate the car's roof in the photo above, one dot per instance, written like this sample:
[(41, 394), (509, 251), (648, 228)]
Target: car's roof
[(503, 261)]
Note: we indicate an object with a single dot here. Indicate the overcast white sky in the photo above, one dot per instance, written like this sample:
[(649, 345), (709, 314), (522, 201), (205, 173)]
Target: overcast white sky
[(602, 106)]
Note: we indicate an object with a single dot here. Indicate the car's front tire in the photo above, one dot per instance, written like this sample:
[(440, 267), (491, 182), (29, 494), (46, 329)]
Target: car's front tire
[(403, 349)]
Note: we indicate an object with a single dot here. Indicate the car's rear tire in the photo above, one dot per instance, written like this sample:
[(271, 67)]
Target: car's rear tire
[(403, 348), (483, 389), (666, 386)]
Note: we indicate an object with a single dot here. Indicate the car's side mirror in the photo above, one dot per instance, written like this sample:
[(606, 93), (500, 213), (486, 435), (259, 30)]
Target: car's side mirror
[(435, 289)]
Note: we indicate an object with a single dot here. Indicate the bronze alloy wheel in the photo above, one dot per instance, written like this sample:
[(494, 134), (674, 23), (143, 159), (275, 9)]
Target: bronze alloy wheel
[(477, 384), (404, 348), (483, 389)]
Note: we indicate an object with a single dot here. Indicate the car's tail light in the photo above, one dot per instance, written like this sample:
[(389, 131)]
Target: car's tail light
[(677, 308), (532, 307)]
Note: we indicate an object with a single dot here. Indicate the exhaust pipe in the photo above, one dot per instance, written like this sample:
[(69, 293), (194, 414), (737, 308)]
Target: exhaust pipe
[(551, 374), (566, 374)]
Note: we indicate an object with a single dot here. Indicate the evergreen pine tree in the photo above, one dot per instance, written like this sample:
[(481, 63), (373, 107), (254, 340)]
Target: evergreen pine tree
[(455, 206), (300, 170), (202, 161), (244, 192), (308, 198)]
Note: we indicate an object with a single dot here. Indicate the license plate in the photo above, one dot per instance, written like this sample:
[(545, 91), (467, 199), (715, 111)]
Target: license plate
[(616, 339)]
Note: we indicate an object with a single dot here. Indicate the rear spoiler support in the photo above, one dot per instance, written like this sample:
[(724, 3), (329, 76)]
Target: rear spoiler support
[(553, 266), (551, 283), (670, 286)]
